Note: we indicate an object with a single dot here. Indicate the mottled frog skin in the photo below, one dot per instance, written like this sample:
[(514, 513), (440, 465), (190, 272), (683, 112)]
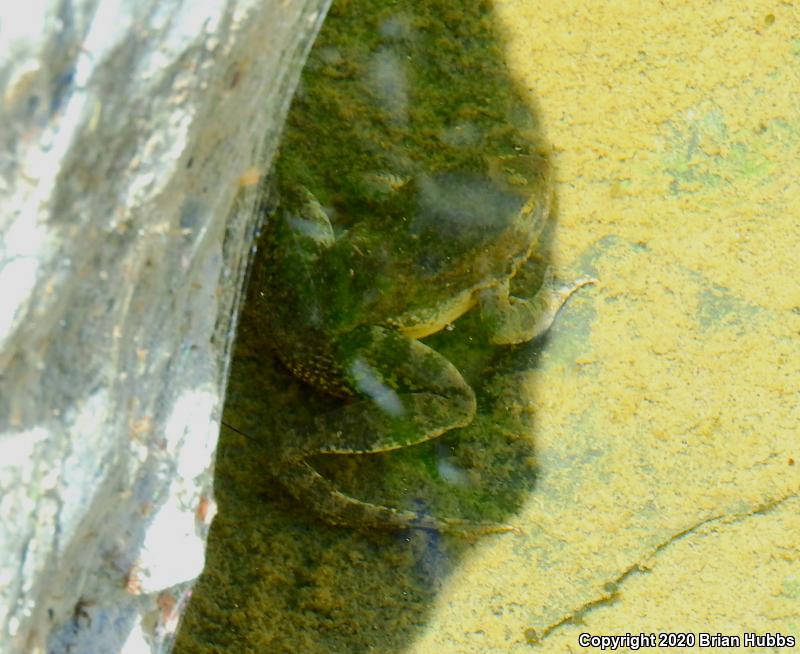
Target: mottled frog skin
[(408, 240)]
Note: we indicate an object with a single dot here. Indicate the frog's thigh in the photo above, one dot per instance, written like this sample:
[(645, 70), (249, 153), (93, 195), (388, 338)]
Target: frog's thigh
[(410, 392), (516, 320)]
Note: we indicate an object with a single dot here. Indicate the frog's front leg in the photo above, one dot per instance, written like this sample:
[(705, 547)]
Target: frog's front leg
[(513, 320), (407, 394)]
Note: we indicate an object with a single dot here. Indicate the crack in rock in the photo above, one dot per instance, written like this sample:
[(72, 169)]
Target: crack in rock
[(612, 588)]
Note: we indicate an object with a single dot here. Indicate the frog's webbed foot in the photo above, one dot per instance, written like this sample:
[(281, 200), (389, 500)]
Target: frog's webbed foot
[(514, 320), (338, 509), (408, 394)]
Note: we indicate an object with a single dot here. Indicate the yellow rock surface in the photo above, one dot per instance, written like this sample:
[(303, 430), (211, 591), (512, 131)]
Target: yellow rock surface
[(669, 498)]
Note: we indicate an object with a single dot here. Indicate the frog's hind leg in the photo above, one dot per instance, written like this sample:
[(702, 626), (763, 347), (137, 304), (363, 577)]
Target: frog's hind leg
[(407, 394), (339, 509)]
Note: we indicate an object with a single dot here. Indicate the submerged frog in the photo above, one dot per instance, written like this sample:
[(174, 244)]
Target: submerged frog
[(346, 311), (413, 183)]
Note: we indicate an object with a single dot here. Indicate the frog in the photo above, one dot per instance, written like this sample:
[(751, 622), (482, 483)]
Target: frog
[(347, 313), (397, 205)]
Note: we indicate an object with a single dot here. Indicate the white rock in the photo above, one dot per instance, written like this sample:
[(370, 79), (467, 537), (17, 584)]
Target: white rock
[(128, 130)]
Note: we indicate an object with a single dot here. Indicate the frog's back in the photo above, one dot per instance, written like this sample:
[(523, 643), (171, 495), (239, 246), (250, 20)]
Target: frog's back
[(445, 236), (433, 190)]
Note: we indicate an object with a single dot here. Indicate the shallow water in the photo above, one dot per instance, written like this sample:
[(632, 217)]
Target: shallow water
[(646, 448)]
